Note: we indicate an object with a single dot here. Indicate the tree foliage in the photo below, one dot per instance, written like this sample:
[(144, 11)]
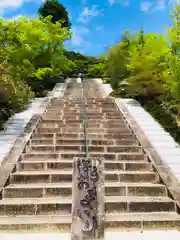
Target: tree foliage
[(30, 51), (81, 63), (147, 67), (57, 11), (97, 68)]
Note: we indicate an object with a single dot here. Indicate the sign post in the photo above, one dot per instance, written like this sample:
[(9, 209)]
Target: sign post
[(88, 199)]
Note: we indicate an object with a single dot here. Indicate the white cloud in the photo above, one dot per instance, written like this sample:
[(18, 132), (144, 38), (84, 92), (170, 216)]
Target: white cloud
[(161, 5), (156, 5), (173, 2), (100, 28), (83, 2), (111, 2), (16, 17), (145, 6), (10, 4), (125, 2), (78, 35), (122, 2), (88, 13)]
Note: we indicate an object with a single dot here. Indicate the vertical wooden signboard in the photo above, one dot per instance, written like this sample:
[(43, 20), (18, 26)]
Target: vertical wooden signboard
[(88, 199)]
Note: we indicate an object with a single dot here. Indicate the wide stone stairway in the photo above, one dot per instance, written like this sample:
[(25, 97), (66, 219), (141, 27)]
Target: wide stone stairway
[(38, 194)]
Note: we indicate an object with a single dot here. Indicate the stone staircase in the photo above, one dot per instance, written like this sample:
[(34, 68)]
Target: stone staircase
[(38, 194)]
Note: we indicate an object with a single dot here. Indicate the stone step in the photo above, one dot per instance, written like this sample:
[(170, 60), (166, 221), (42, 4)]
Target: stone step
[(69, 121), (36, 223), (48, 176), (54, 140), (96, 101), (96, 113), (35, 206), (91, 148), (65, 189), (119, 204), (57, 140), (81, 130), (65, 164), (76, 117), (134, 189), (142, 221), (70, 100), (89, 98), (97, 116), (53, 176), (80, 117), (73, 113), (44, 165), (62, 223), (38, 190), (118, 136), (75, 98), (131, 176), (72, 125), (80, 125), (62, 205), (36, 156), (129, 166), (79, 108)]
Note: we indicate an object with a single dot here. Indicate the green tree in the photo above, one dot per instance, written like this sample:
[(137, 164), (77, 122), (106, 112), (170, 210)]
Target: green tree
[(96, 69), (117, 58), (141, 39), (57, 11), (174, 57), (81, 63), (30, 51), (150, 67)]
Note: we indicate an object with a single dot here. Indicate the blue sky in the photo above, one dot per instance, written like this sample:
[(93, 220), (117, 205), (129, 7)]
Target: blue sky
[(96, 24)]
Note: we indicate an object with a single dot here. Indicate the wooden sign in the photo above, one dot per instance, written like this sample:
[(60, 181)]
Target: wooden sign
[(88, 199)]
